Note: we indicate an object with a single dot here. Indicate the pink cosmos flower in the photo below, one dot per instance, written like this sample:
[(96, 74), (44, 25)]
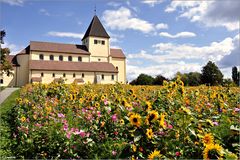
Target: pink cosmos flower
[(60, 115), (105, 102), (65, 127), (170, 126), (82, 133), (215, 123), (178, 153), (114, 153), (68, 135), (114, 117)]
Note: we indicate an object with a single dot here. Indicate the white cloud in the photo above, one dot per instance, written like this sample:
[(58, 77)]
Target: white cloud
[(114, 4), (14, 49), (152, 3), (169, 58), (65, 34), (123, 19), (115, 37), (178, 35), (13, 2), (209, 13), (44, 12), (161, 26)]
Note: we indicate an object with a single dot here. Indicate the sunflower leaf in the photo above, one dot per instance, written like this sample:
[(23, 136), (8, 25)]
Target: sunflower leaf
[(137, 138)]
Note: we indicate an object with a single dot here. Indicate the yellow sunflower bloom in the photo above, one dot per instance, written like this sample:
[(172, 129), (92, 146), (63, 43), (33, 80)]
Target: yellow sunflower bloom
[(151, 117), (148, 106), (134, 148), (213, 151), (162, 117), (154, 155), (135, 119), (122, 122), (23, 119), (149, 133), (208, 139)]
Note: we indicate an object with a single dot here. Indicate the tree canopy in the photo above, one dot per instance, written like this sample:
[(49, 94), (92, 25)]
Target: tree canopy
[(6, 66)]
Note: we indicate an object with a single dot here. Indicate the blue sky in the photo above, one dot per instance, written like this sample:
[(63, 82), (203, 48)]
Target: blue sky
[(157, 36)]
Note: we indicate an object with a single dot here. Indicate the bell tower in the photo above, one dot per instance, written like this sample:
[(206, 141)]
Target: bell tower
[(96, 39)]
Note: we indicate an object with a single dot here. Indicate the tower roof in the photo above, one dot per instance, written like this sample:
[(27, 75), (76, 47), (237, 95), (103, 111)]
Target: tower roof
[(96, 29)]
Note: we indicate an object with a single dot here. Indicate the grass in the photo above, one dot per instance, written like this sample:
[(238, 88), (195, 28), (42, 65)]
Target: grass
[(2, 88), (5, 108)]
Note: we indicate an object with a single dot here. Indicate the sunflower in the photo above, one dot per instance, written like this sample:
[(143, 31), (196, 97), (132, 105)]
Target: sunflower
[(154, 155), (151, 117), (134, 148), (162, 117), (135, 119), (23, 119), (208, 139), (148, 106), (149, 133), (97, 105), (122, 122), (213, 151)]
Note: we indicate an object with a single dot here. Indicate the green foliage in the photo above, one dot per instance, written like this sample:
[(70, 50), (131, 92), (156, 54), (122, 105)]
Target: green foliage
[(158, 80), (211, 75), (143, 79), (5, 132), (235, 75), (190, 79), (6, 66)]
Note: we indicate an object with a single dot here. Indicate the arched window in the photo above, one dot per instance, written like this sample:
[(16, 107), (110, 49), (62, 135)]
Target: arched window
[(117, 67), (82, 75), (64, 74), (51, 57), (60, 58), (42, 74), (112, 77), (69, 58), (79, 59), (41, 57), (102, 76), (53, 75), (74, 75)]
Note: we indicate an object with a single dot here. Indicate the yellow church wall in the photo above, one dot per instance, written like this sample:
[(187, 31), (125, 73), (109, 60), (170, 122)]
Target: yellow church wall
[(35, 56), (23, 72), (121, 64), (88, 76), (10, 80), (97, 50)]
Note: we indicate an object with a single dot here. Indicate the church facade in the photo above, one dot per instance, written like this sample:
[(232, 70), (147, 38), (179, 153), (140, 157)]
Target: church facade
[(93, 61)]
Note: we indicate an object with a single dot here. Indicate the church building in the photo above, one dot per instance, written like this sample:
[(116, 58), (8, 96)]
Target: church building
[(93, 61)]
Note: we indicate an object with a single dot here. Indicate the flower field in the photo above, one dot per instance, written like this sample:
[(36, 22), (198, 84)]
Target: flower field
[(122, 121)]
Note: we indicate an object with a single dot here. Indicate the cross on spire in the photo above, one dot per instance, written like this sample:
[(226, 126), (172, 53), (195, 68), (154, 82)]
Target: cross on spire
[(95, 10)]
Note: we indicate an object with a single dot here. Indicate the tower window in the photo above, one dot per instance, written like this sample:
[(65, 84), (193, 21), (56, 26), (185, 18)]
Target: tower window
[(53, 75), (42, 74), (95, 41), (64, 74), (99, 59), (82, 75), (102, 76), (117, 67), (60, 58), (51, 57), (112, 77), (103, 42), (79, 59), (69, 58), (41, 57), (74, 75), (1, 81)]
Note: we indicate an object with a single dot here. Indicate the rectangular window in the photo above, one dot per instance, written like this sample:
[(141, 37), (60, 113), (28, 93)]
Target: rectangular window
[(102, 76), (74, 75), (95, 41), (112, 77), (1, 81), (53, 75), (103, 42), (82, 75), (42, 74), (64, 75)]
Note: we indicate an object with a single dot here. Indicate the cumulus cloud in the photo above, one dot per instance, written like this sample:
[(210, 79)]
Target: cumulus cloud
[(232, 59), (13, 2), (44, 12), (14, 49), (123, 19), (209, 13), (161, 26), (65, 34), (168, 58), (152, 3), (178, 35)]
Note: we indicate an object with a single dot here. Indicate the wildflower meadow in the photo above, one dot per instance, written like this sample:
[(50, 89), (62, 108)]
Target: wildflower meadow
[(126, 122)]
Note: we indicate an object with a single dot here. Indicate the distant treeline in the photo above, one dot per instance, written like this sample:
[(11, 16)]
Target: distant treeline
[(210, 75)]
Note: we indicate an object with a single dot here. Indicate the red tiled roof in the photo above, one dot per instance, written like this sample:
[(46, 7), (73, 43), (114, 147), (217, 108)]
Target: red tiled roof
[(117, 53), (58, 47), (12, 59), (72, 66)]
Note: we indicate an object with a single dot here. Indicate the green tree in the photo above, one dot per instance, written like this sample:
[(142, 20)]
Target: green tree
[(211, 75), (158, 80), (194, 78), (143, 79), (235, 75), (6, 66)]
